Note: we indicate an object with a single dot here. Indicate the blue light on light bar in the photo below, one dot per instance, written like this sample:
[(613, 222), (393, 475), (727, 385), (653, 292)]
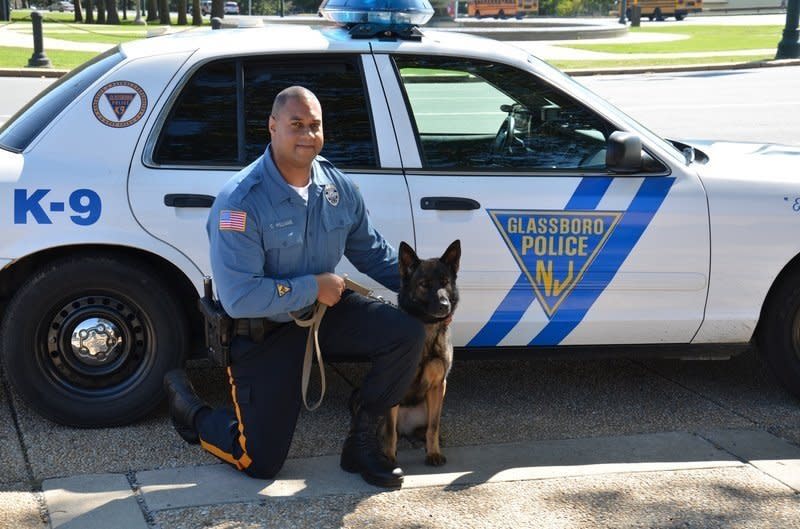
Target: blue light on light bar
[(388, 12)]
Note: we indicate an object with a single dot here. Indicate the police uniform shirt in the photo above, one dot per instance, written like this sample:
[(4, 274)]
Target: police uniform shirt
[(267, 243)]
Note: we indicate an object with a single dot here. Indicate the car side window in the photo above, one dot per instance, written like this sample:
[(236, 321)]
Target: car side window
[(478, 115), (207, 126), (339, 85), (201, 127)]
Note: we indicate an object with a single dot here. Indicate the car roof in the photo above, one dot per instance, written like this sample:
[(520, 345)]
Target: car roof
[(276, 38)]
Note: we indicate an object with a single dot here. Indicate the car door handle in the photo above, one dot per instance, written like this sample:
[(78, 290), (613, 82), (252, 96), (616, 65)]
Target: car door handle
[(448, 203), (188, 201)]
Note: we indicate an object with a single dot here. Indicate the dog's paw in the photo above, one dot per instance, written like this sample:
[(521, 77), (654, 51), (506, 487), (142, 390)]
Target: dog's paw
[(435, 460)]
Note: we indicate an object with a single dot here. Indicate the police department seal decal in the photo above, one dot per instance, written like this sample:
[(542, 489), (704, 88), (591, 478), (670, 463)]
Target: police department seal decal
[(118, 100), (332, 194)]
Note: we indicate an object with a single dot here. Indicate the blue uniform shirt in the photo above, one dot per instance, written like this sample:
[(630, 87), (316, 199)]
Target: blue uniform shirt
[(267, 243)]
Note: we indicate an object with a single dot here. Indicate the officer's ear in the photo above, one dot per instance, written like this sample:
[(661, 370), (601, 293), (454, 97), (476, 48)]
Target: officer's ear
[(408, 260), (271, 123)]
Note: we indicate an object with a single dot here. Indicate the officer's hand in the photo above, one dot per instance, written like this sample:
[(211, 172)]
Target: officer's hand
[(330, 288)]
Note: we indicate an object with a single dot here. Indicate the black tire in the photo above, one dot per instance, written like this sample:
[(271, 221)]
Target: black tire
[(679, 17), (779, 332), (85, 298)]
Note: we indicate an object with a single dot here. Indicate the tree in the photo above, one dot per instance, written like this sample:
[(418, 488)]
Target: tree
[(152, 10), (197, 15), (113, 14), (218, 8), (163, 12), (78, 11), (101, 12), (89, 12), (181, 12)]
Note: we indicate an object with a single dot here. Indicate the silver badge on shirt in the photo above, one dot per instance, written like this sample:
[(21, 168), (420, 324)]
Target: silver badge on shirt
[(332, 194)]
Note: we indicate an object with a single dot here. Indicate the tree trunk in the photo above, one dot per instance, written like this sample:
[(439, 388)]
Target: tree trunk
[(89, 19), (101, 12), (113, 14), (163, 12), (197, 15), (78, 11), (152, 10), (124, 9), (181, 12), (218, 8)]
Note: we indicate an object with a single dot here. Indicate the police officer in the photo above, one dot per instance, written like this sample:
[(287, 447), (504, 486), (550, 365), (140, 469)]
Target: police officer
[(277, 231)]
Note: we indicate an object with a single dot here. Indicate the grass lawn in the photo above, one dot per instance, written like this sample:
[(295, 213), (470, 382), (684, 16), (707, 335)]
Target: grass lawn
[(701, 38), (18, 57), (617, 63)]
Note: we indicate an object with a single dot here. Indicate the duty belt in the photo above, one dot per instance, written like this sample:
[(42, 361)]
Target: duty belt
[(255, 328)]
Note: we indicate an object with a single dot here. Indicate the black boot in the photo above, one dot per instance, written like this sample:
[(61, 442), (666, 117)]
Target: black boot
[(363, 454), (183, 404)]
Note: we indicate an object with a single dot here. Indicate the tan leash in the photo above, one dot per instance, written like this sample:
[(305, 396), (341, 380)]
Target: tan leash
[(312, 342)]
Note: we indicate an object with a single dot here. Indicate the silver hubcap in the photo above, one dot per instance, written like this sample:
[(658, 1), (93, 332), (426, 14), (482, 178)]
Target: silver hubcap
[(96, 341)]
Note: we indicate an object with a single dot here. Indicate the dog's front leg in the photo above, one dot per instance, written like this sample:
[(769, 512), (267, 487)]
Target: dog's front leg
[(390, 434), (434, 399)]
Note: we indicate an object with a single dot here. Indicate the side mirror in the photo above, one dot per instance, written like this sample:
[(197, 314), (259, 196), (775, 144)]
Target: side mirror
[(624, 152)]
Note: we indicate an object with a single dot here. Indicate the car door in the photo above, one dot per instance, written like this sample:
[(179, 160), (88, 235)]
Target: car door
[(556, 249), (216, 123)]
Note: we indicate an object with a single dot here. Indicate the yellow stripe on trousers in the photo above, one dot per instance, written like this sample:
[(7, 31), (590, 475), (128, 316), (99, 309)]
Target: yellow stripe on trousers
[(244, 461)]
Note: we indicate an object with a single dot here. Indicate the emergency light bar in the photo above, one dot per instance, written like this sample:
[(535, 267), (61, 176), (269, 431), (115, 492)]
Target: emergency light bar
[(377, 12)]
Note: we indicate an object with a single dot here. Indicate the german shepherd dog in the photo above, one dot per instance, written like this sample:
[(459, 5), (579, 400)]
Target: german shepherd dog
[(428, 292)]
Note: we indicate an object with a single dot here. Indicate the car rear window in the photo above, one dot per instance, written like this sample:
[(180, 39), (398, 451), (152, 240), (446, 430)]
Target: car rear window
[(23, 127)]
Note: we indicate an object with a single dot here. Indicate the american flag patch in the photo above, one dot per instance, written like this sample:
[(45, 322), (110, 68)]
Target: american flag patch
[(232, 220)]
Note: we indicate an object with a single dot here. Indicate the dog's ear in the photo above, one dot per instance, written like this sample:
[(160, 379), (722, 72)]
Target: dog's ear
[(452, 256), (408, 260)]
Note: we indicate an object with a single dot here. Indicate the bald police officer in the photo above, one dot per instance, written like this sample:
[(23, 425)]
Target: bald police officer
[(277, 231)]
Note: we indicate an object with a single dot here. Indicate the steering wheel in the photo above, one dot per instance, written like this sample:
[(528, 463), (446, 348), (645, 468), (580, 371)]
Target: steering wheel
[(505, 137)]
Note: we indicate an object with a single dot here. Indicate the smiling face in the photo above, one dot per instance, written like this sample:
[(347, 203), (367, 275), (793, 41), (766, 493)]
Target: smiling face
[(296, 130)]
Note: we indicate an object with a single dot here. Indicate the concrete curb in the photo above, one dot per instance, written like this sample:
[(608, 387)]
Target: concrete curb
[(684, 68)]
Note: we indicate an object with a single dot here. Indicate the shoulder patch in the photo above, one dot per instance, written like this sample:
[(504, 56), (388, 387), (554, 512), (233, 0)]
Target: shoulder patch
[(231, 220), (282, 289)]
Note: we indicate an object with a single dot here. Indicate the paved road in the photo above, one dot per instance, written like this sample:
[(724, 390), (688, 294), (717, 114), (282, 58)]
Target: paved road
[(746, 105)]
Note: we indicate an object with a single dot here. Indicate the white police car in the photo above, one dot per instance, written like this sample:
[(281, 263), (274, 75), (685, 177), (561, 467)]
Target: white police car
[(581, 230)]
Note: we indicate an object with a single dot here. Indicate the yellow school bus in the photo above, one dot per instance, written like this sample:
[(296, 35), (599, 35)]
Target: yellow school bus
[(661, 9), (502, 8)]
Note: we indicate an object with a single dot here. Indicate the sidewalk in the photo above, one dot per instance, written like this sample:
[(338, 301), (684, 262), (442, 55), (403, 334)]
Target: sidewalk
[(719, 478)]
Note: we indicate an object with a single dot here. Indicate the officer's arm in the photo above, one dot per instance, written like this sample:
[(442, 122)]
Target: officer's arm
[(368, 250), (237, 262)]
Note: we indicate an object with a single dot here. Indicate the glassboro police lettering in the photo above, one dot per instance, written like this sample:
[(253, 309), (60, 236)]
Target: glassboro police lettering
[(562, 249)]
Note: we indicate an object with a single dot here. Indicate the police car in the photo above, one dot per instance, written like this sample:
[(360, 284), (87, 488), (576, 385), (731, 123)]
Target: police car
[(582, 231)]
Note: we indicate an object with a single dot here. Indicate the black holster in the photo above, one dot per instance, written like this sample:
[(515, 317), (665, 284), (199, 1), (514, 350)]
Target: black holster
[(219, 327)]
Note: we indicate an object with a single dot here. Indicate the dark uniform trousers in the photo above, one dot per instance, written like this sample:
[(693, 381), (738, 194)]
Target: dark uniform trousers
[(265, 379)]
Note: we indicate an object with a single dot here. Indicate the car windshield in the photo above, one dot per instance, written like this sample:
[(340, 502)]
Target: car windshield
[(599, 103), (26, 124)]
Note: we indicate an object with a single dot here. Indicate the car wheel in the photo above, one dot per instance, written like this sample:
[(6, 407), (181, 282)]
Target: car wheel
[(779, 332), (679, 17), (87, 340)]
